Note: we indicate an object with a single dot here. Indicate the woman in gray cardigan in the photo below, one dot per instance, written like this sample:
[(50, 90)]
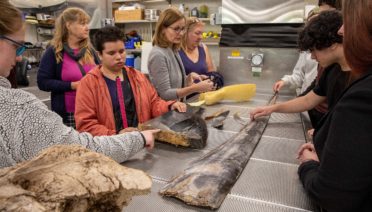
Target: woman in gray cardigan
[(165, 65), (26, 124)]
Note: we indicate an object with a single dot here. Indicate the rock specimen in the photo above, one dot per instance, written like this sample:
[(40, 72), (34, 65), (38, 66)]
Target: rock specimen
[(181, 129), (70, 178), (208, 180)]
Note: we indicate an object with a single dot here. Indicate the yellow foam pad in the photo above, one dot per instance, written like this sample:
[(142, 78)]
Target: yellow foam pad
[(238, 93)]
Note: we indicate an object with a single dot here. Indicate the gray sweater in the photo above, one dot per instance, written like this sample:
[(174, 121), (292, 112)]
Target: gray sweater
[(27, 126), (166, 72)]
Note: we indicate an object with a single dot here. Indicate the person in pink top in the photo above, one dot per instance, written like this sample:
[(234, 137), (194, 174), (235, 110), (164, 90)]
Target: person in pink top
[(67, 60)]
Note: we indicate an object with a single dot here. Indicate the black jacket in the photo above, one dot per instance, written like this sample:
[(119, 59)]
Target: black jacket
[(342, 181)]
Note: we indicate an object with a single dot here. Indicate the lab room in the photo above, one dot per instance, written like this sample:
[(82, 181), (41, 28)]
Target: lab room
[(184, 105)]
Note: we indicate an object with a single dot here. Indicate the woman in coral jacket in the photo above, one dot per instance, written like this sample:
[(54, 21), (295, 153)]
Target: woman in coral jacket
[(113, 98)]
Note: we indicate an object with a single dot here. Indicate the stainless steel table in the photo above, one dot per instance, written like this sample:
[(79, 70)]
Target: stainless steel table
[(269, 182)]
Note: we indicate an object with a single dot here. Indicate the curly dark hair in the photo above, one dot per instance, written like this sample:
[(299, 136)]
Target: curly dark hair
[(107, 34), (333, 3), (321, 31)]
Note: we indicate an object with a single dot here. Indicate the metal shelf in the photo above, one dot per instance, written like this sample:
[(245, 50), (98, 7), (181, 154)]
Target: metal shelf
[(133, 50), (50, 26), (211, 43), (124, 1), (143, 1), (204, 19), (133, 21)]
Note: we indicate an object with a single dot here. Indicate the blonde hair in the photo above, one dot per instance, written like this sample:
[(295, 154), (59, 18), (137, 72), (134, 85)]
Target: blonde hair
[(191, 23), (61, 34), (10, 18), (167, 18)]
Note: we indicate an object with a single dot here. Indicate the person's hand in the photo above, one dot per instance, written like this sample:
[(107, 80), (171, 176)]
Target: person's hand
[(179, 106), (261, 111), (310, 132), (128, 129), (308, 146), (278, 85), (204, 86), (192, 77), (149, 138), (308, 155), (75, 85), (203, 77)]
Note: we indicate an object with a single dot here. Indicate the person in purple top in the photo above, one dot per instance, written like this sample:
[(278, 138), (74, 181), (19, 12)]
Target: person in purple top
[(69, 57), (195, 55)]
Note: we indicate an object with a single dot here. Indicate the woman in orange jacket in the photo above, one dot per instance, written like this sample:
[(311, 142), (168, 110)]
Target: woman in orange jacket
[(113, 98)]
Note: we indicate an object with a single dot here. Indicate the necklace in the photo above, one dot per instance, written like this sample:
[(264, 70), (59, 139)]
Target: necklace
[(112, 75)]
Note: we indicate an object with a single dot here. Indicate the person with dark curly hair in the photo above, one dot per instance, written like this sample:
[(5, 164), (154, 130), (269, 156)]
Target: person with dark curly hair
[(307, 70), (336, 171), (330, 4), (321, 38)]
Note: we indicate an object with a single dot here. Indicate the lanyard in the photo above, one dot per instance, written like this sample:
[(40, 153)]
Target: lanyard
[(121, 102)]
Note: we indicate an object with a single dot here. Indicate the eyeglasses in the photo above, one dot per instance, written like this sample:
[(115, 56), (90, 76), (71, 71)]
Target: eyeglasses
[(178, 30), (20, 47)]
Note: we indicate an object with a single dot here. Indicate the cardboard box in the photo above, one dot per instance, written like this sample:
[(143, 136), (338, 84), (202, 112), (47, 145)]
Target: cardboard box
[(128, 15)]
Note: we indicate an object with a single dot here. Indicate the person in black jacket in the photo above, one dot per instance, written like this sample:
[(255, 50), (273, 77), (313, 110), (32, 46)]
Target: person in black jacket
[(336, 171)]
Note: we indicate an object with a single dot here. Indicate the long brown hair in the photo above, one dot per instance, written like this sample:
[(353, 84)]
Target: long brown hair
[(61, 35), (191, 23), (10, 18), (167, 18), (358, 34)]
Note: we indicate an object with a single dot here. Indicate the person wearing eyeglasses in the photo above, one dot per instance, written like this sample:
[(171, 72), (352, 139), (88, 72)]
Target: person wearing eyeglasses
[(20, 48), (13, 72), (166, 70), (66, 61), (195, 55), (28, 126)]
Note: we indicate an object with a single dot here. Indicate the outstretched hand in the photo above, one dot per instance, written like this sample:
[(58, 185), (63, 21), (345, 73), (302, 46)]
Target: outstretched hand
[(261, 111), (149, 138)]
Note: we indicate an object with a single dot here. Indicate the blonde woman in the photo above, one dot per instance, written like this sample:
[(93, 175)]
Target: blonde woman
[(167, 72), (69, 57), (195, 55)]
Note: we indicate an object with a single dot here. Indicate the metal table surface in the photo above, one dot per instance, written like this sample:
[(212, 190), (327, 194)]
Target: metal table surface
[(269, 182)]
